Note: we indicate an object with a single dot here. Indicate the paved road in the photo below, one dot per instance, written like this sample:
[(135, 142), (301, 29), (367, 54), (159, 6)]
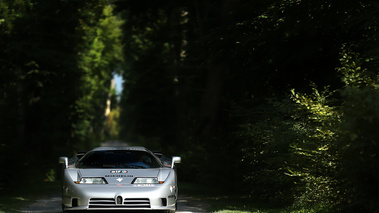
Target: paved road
[(52, 204)]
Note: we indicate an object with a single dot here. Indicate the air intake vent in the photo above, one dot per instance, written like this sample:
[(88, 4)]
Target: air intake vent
[(129, 203), (164, 201), (137, 203), (74, 202), (101, 203)]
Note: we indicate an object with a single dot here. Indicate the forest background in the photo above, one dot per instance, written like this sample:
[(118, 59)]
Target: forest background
[(277, 99)]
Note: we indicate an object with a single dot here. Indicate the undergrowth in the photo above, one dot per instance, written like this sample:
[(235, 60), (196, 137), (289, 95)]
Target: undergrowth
[(13, 200), (220, 201)]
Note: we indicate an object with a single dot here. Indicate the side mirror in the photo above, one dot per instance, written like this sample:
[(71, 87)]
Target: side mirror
[(175, 159), (64, 161)]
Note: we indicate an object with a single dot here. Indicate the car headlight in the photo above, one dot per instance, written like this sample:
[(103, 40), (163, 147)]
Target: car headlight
[(146, 180), (92, 180)]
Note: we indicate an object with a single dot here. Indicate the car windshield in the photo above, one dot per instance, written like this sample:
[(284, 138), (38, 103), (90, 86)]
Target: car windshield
[(118, 159)]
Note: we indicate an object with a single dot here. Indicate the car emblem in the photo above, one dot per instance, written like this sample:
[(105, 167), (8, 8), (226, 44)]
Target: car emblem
[(118, 171), (119, 179)]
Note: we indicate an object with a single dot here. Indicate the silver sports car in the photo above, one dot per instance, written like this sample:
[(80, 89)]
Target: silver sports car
[(119, 178)]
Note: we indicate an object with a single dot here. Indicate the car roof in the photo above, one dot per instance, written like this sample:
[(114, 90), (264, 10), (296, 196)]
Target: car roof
[(106, 148)]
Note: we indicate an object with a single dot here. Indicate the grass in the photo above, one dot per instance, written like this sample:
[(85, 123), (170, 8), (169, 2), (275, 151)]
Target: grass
[(17, 198), (221, 201)]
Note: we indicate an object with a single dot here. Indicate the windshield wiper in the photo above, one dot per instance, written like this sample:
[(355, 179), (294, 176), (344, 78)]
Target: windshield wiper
[(109, 166), (117, 165)]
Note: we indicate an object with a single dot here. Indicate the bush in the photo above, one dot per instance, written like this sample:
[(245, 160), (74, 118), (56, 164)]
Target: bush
[(288, 153), (267, 154), (359, 145)]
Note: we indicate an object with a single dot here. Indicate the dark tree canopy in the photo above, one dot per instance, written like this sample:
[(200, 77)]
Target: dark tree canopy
[(56, 65), (213, 80), (283, 94)]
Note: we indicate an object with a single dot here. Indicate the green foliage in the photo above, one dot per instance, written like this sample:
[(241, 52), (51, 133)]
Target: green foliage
[(357, 142), (289, 150), (316, 161), (328, 145), (202, 78), (100, 57), (351, 69)]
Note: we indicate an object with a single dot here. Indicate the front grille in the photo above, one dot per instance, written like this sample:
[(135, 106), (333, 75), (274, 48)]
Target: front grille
[(102, 203), (131, 203), (137, 202)]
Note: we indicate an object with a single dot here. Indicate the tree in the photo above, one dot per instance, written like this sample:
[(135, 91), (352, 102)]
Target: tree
[(57, 60)]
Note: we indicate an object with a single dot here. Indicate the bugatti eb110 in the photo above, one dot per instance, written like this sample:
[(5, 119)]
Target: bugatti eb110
[(119, 178)]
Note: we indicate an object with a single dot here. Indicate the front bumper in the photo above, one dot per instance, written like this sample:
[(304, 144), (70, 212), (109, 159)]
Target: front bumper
[(119, 197)]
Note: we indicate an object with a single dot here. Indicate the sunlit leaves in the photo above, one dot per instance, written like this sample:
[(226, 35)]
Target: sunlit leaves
[(353, 75)]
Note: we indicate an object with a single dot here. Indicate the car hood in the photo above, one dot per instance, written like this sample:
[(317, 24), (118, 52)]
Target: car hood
[(116, 176)]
